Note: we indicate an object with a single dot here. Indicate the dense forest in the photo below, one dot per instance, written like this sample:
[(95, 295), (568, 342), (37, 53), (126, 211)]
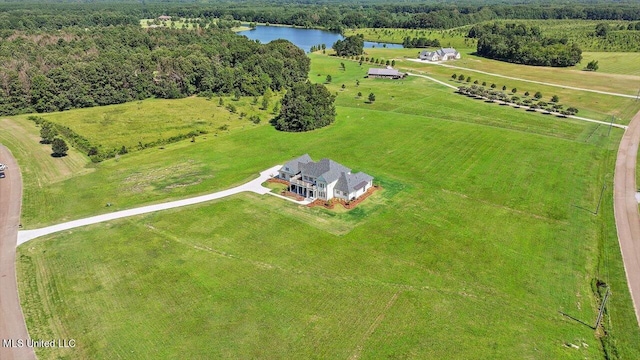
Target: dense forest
[(108, 65), (434, 15), (522, 44), (337, 16)]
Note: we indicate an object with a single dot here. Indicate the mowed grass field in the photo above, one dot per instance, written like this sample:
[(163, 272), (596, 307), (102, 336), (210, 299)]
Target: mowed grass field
[(447, 38), (618, 72), (153, 120), (591, 105), (210, 164), (470, 251), (39, 169)]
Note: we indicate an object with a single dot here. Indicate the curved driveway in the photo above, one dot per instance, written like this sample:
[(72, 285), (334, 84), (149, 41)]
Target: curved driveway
[(252, 186), (12, 325), (625, 208)]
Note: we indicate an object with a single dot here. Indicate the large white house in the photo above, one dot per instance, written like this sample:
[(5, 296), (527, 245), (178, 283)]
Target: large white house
[(443, 54), (325, 179)]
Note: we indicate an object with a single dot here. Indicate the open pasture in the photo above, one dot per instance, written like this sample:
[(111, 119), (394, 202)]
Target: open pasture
[(475, 192), (216, 162), (582, 32), (448, 38), (627, 63), (591, 105), (618, 71), (157, 120)]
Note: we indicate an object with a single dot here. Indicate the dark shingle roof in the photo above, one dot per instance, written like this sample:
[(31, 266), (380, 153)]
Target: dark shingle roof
[(351, 182), (326, 169), (445, 51), (329, 171), (293, 166)]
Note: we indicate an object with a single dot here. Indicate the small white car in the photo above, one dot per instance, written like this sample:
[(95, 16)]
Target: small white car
[(3, 167)]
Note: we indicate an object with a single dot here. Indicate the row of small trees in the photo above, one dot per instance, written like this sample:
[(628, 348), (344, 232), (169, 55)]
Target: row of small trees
[(532, 103), (537, 95), (362, 59), (322, 47)]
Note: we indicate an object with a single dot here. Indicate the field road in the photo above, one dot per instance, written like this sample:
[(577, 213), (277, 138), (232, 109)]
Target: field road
[(625, 208), (254, 185), (538, 110), (12, 325), (531, 81)]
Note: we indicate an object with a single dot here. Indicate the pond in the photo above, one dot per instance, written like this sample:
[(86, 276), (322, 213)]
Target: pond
[(303, 38)]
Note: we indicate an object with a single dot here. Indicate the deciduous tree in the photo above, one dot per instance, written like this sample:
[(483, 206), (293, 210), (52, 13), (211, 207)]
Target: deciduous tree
[(305, 107), (47, 133), (59, 147)]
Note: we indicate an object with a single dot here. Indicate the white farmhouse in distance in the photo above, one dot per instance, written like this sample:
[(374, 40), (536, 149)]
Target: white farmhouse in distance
[(325, 179), (443, 54)]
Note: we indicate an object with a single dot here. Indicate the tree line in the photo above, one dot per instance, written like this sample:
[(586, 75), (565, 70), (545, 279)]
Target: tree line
[(330, 15), (420, 42), (521, 44), (73, 68), (337, 16)]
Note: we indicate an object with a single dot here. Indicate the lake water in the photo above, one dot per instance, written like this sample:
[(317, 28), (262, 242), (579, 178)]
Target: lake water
[(303, 38)]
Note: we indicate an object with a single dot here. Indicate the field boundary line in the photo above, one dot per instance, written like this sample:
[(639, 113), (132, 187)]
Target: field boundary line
[(374, 325), (525, 80)]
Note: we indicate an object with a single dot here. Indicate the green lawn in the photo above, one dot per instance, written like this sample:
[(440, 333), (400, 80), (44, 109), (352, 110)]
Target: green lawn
[(448, 38), (473, 248), (614, 63), (609, 77), (217, 162), (591, 105)]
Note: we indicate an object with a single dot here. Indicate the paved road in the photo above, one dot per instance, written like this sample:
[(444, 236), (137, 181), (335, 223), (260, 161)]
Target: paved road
[(538, 110), (12, 324), (252, 186), (520, 79), (625, 207)]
